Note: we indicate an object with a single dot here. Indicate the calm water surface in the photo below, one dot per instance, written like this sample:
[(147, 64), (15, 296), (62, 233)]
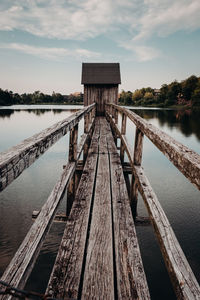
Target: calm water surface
[(180, 200)]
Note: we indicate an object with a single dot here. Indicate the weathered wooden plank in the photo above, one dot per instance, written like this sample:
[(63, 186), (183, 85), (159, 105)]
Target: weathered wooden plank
[(86, 126), (137, 159), (185, 159), (100, 94), (60, 218), (98, 280), (131, 279), (67, 271), (185, 284), (182, 277), (15, 160), (123, 131), (21, 265), (123, 138), (139, 136), (73, 138)]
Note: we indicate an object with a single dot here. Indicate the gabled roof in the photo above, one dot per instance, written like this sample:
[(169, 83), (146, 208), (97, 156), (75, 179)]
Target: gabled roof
[(101, 73)]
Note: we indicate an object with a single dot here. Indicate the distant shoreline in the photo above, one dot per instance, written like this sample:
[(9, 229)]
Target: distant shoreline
[(178, 107)]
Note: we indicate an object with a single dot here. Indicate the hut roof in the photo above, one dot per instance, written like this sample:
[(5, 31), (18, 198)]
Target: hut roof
[(101, 73)]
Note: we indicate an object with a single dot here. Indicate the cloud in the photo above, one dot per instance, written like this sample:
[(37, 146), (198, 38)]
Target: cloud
[(163, 18), (51, 53), (57, 19), (137, 20), (82, 19), (143, 53)]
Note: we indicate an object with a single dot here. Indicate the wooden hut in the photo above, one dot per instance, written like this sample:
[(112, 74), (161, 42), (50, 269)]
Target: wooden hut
[(101, 82)]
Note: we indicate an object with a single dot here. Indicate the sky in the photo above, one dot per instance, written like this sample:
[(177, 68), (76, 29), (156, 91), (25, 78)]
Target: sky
[(43, 43)]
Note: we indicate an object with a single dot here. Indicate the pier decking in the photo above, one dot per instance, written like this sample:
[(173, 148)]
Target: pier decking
[(103, 259), (99, 256)]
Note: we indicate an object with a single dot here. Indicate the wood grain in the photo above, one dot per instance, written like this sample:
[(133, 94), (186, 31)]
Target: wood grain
[(182, 277), (98, 276), (15, 160), (185, 159), (22, 263), (66, 274), (131, 279), (100, 94)]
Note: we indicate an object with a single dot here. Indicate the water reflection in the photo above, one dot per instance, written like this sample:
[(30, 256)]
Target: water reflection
[(187, 121), (179, 199), (8, 112)]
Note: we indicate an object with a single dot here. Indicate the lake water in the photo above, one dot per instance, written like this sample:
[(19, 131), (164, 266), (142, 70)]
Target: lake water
[(179, 198)]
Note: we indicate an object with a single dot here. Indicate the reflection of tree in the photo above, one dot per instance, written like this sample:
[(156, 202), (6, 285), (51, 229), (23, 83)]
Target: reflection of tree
[(37, 111), (6, 113), (58, 111), (187, 121)]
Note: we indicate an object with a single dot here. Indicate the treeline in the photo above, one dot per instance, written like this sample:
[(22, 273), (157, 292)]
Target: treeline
[(186, 92), (10, 98)]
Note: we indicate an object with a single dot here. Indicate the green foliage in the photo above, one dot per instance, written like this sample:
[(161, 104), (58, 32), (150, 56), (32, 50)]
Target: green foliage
[(8, 98), (137, 95), (188, 86), (174, 93), (186, 92), (126, 98)]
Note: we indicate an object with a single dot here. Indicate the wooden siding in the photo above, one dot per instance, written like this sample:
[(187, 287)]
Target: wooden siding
[(100, 94)]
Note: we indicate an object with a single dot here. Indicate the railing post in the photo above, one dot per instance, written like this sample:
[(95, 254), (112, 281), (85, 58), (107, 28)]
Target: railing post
[(116, 116), (73, 139), (137, 159), (123, 132), (86, 128), (112, 111)]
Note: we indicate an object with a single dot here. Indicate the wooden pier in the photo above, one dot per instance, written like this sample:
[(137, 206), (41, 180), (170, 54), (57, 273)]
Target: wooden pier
[(99, 255)]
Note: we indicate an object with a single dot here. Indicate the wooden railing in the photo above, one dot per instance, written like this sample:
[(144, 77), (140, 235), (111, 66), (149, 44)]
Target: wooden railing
[(188, 162), (14, 161)]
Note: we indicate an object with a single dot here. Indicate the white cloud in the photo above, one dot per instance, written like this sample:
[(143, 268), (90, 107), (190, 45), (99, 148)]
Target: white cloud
[(84, 19), (166, 17), (143, 53), (51, 53), (58, 19)]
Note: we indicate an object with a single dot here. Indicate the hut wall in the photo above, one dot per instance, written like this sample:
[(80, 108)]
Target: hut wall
[(100, 94)]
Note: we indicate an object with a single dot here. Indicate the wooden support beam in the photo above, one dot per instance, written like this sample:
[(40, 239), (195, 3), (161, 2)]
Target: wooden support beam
[(86, 128), (130, 275), (98, 281), (142, 221), (123, 131), (139, 135), (73, 138), (59, 218), (127, 168), (15, 160), (66, 275), (137, 159), (182, 277), (185, 159), (183, 280), (22, 263)]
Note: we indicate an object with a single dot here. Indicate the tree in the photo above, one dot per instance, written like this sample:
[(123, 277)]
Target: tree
[(174, 89), (137, 95), (148, 95), (126, 97), (188, 86)]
